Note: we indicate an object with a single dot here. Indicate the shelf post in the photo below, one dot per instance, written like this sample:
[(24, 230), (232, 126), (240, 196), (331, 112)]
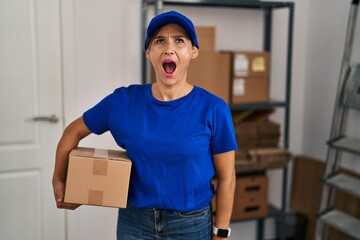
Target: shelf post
[(267, 29)]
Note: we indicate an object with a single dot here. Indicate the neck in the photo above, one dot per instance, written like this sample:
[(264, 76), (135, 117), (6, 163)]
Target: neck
[(169, 93)]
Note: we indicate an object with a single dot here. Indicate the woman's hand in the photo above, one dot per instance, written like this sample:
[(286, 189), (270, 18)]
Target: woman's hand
[(59, 192), (218, 238)]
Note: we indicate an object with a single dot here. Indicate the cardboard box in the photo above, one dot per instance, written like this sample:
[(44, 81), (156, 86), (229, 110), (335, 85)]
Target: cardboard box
[(253, 129), (252, 186), (206, 38), (98, 177), (253, 135), (253, 115), (250, 64), (271, 156), (249, 90), (251, 197), (251, 207), (250, 77), (210, 70)]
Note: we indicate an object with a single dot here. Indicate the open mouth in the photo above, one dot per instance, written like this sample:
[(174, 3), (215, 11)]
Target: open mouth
[(169, 66)]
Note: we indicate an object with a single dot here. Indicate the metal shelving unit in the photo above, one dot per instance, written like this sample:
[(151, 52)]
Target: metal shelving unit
[(267, 8)]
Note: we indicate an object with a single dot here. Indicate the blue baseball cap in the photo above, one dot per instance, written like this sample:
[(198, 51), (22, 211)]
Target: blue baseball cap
[(167, 18)]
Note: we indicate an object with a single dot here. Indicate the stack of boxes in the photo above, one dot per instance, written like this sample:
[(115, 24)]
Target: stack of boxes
[(251, 197), (254, 129), (210, 70), (235, 76)]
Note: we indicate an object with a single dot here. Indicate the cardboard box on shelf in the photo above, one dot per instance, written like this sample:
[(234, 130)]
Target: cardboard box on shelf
[(242, 115), (210, 70), (251, 207), (253, 115), (206, 38), (249, 77), (250, 64), (269, 129), (268, 142), (252, 185), (252, 134), (271, 156), (98, 177), (249, 90), (260, 159), (251, 197), (253, 128)]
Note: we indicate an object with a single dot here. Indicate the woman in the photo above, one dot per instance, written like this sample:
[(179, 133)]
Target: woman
[(178, 137)]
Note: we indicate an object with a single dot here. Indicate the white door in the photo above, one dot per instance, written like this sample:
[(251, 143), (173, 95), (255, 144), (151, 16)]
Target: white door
[(30, 86)]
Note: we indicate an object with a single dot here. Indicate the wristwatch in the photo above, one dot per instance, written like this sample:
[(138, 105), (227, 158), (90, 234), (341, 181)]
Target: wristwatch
[(220, 232)]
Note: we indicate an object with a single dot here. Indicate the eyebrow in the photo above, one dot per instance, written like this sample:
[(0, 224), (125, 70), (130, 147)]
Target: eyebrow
[(176, 36)]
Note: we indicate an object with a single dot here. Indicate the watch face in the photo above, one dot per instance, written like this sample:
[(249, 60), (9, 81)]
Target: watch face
[(223, 233)]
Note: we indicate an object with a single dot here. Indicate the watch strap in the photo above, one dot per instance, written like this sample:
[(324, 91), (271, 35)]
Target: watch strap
[(221, 232)]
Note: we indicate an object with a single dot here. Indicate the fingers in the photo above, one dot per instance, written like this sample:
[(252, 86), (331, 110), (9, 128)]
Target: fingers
[(59, 196), (59, 190), (68, 206)]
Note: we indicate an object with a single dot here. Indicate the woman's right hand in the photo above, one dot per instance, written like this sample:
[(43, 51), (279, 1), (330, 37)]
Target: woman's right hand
[(59, 192)]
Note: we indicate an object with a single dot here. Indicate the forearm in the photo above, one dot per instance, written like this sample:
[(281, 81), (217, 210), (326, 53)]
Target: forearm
[(69, 140), (224, 201), (65, 145), (225, 174)]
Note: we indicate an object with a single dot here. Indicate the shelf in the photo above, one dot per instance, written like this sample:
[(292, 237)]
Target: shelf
[(260, 105), (242, 169), (274, 212), (345, 183), (346, 144), (225, 3), (342, 222)]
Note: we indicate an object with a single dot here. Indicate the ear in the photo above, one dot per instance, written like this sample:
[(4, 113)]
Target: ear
[(147, 54), (195, 52)]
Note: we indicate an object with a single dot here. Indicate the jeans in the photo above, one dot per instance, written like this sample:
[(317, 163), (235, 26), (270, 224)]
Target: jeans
[(149, 224)]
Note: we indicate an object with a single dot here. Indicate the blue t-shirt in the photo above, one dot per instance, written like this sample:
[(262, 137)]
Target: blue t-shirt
[(170, 143)]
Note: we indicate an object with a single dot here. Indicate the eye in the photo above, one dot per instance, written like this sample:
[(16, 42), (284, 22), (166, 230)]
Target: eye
[(179, 40), (159, 41)]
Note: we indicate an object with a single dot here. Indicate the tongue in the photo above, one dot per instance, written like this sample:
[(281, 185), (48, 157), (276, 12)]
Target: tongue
[(169, 67)]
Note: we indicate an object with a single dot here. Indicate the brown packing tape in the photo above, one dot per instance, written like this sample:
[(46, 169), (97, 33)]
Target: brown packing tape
[(95, 197), (100, 167)]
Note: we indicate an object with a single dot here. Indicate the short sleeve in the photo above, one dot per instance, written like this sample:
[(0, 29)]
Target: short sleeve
[(223, 136), (96, 118)]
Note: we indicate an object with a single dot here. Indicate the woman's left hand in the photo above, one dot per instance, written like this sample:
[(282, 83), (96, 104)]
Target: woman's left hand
[(218, 238)]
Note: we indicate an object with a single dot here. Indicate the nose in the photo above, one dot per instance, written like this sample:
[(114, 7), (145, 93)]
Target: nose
[(169, 49), (169, 52)]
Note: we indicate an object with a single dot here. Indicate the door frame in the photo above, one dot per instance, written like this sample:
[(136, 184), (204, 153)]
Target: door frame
[(68, 89)]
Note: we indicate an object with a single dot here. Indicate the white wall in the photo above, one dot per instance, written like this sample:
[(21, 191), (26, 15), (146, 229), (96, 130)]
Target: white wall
[(102, 51)]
